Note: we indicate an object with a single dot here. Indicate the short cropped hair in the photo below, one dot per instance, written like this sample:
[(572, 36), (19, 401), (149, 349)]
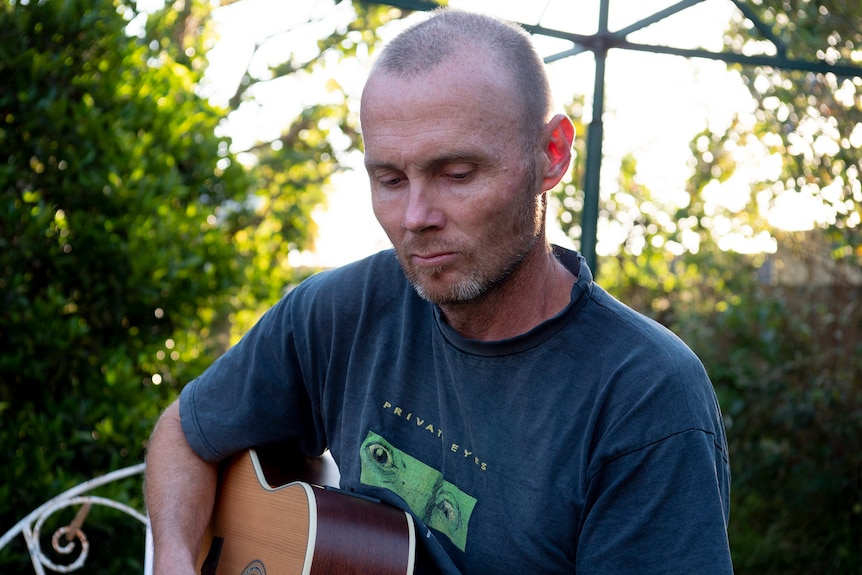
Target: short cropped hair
[(423, 46)]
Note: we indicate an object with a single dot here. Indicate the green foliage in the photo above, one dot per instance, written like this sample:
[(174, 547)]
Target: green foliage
[(809, 124), (787, 363), (789, 359), (111, 248)]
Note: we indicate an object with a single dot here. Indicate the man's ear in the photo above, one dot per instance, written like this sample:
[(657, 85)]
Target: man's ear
[(560, 135)]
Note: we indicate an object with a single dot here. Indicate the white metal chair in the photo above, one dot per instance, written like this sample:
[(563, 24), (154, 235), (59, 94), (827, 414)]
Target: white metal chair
[(63, 539)]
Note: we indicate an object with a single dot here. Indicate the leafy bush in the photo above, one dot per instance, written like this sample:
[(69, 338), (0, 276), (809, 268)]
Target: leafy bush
[(113, 255)]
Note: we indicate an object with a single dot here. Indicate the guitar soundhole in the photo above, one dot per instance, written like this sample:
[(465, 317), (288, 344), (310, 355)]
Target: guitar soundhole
[(254, 568)]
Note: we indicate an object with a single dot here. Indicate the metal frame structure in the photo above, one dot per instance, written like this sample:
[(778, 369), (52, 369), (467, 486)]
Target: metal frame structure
[(604, 40), (70, 540)]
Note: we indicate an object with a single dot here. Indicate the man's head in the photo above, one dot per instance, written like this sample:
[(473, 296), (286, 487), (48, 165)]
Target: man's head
[(460, 149), (448, 32)]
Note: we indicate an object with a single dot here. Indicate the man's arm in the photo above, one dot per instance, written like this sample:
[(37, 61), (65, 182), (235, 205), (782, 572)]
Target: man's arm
[(179, 488)]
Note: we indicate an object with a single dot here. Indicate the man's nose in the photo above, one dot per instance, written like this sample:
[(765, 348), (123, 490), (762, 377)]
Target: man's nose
[(422, 212)]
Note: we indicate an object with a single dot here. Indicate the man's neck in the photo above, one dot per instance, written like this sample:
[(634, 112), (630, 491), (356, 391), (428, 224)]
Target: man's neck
[(538, 290)]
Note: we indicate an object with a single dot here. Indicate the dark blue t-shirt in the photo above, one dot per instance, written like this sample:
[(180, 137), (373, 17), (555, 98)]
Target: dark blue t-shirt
[(593, 443)]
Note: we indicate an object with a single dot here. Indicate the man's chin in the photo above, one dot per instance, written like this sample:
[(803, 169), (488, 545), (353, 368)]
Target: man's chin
[(442, 285), (442, 293)]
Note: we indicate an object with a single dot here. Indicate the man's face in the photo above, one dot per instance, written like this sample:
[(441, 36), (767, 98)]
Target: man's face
[(451, 184)]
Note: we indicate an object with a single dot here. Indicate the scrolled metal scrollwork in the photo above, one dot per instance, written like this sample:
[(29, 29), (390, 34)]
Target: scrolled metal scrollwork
[(67, 548), (71, 538)]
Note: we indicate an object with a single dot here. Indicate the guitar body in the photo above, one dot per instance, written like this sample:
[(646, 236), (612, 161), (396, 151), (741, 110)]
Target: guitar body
[(296, 528)]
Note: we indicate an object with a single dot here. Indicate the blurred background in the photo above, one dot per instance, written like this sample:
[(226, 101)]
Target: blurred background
[(168, 170)]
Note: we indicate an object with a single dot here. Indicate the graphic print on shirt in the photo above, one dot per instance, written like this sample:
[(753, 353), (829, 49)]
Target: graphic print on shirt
[(438, 503)]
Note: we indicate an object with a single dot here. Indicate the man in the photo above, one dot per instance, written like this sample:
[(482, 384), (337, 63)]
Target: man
[(477, 378)]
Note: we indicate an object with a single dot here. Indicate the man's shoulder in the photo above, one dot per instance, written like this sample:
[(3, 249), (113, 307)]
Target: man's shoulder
[(642, 352), (620, 320)]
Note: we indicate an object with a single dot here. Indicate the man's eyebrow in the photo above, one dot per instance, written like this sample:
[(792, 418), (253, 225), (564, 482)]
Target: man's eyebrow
[(375, 165), (457, 157), (436, 162)]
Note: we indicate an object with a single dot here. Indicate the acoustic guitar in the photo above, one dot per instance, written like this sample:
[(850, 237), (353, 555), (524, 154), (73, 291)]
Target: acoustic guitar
[(264, 524)]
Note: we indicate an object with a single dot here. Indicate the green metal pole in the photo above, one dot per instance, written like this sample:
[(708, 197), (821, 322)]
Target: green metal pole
[(595, 132)]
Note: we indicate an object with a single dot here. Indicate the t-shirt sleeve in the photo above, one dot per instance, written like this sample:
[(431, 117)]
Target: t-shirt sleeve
[(660, 509), (656, 492), (253, 395)]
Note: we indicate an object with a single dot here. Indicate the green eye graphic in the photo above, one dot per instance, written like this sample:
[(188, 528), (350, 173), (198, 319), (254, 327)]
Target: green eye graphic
[(379, 454), (446, 509), (438, 503)]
